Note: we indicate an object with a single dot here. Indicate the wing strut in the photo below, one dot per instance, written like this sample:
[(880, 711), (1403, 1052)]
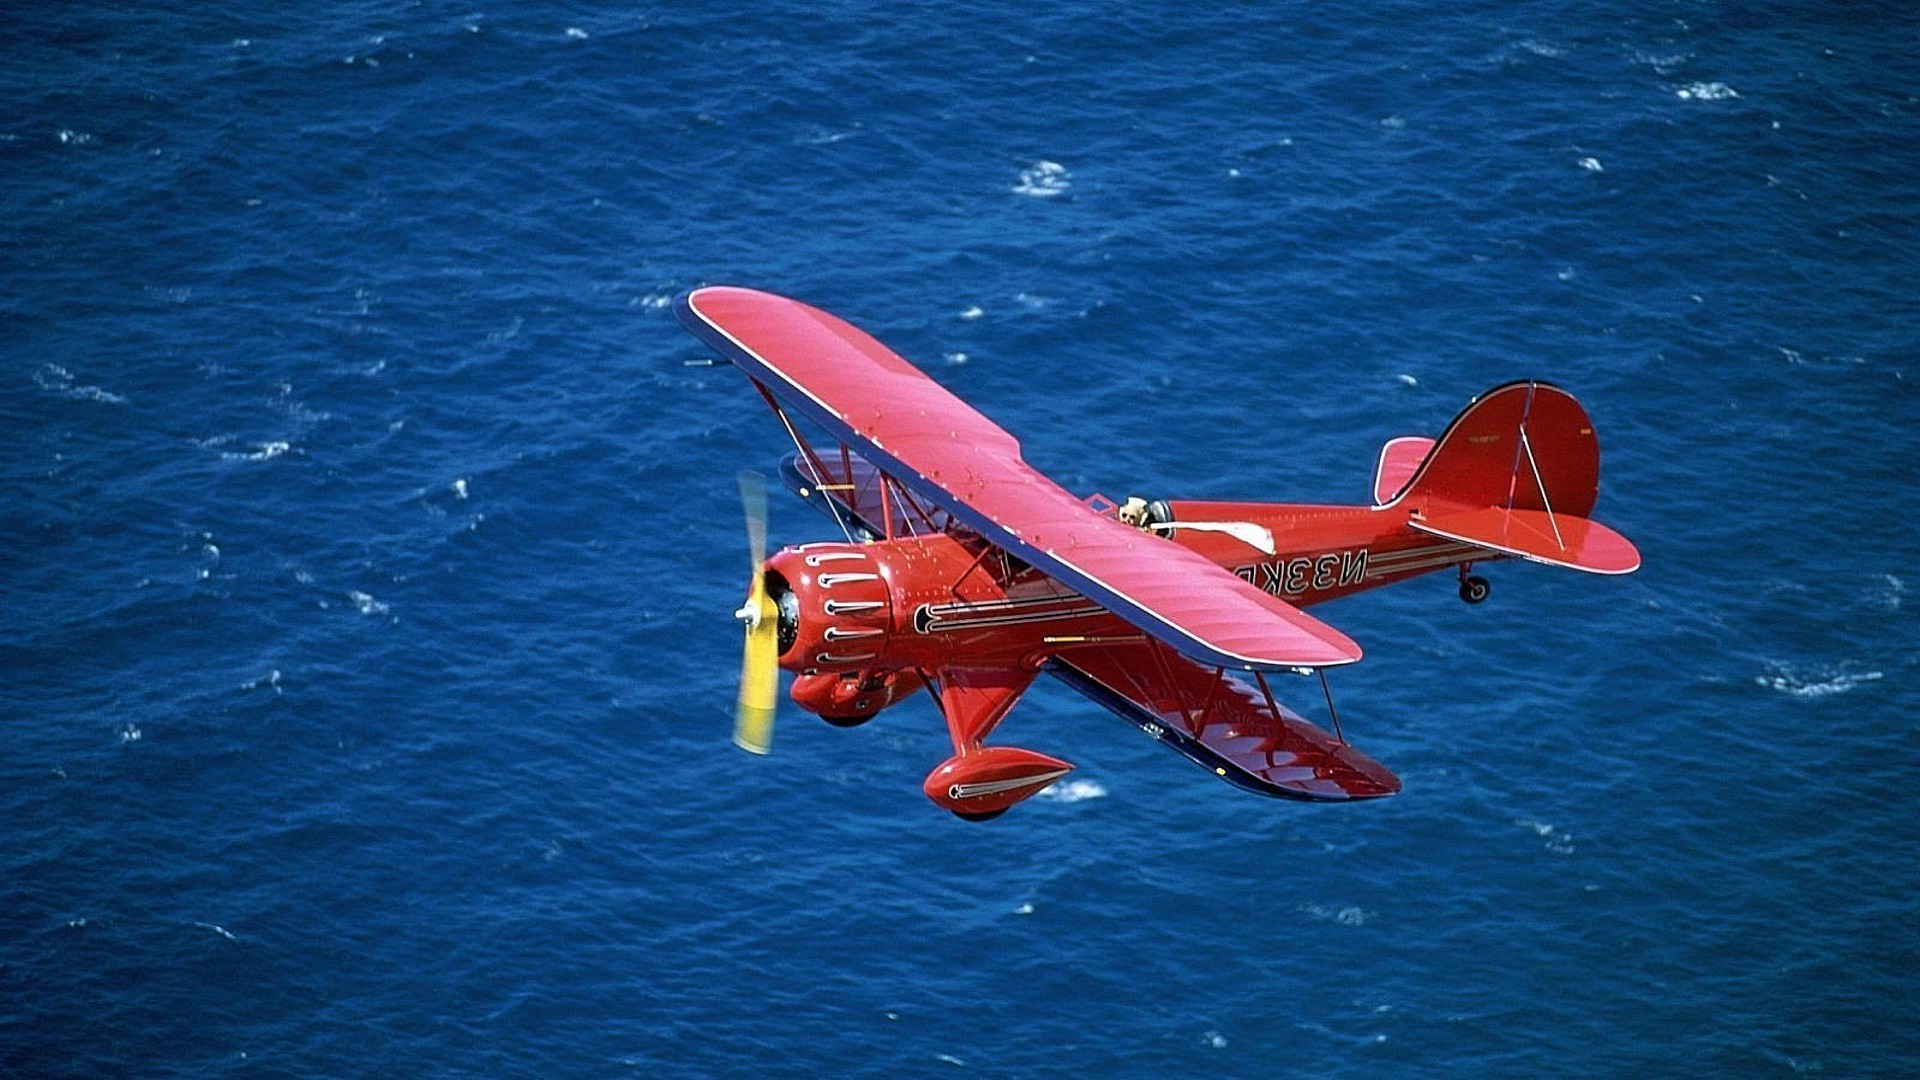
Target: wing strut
[(806, 451), (1158, 648), (1332, 712)]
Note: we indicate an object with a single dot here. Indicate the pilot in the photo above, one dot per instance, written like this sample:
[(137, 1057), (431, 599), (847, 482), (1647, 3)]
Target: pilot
[(1134, 512)]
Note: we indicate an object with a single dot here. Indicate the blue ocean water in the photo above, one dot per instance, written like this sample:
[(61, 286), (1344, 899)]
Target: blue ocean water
[(369, 544)]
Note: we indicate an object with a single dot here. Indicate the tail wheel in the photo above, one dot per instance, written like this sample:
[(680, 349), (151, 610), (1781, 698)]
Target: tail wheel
[(1474, 589)]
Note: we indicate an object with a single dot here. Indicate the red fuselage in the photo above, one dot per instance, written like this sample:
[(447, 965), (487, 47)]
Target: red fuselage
[(920, 603)]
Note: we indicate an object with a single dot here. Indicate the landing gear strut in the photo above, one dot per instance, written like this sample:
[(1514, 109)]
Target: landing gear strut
[(1473, 587)]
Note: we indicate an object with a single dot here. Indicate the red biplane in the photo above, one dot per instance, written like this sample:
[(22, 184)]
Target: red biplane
[(965, 571)]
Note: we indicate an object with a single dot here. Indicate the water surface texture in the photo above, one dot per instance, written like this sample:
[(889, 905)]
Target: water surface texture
[(369, 545)]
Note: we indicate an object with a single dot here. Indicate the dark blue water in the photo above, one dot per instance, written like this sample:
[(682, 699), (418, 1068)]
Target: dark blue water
[(368, 545)]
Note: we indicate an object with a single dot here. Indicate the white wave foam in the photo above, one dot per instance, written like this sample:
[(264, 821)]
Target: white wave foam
[(1343, 914), (263, 452), (367, 604), (1706, 91), (1824, 682), (1044, 179), (1074, 791), (1592, 164), (1555, 840), (1664, 63), (973, 311), (1891, 593), (58, 380)]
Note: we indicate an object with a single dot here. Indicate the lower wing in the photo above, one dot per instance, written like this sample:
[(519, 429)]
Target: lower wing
[(1223, 724)]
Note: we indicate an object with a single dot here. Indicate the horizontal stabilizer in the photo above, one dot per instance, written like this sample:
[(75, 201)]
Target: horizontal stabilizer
[(1537, 535)]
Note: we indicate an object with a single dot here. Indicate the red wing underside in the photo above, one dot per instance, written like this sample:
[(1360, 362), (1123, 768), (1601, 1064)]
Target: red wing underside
[(939, 448), (1222, 723)]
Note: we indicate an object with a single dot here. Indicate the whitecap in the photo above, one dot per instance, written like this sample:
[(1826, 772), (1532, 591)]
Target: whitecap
[(819, 136), (1553, 839), (367, 604), (1823, 682), (574, 33), (955, 358), (1408, 380), (1343, 914), (1044, 179), (1024, 909), (1706, 91), (1214, 1039), (973, 311), (58, 380), (1074, 791), (1664, 63), (459, 488), (1891, 593), (129, 733), (1591, 164), (266, 451)]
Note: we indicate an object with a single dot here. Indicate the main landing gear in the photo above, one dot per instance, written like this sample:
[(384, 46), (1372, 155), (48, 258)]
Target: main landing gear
[(1473, 587)]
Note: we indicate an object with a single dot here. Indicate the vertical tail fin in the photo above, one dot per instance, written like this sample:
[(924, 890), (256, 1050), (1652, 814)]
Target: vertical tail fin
[(1521, 446), (1517, 472)]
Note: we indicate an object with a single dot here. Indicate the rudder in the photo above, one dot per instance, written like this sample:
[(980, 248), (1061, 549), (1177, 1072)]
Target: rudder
[(1520, 446)]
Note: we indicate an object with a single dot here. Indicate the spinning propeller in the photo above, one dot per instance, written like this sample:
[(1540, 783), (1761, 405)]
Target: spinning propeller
[(760, 666)]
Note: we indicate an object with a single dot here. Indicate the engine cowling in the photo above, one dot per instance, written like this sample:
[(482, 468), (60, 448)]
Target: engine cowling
[(836, 613), (849, 699)]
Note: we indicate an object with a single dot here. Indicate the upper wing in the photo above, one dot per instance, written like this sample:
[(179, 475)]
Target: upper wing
[(1223, 724), (941, 449)]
